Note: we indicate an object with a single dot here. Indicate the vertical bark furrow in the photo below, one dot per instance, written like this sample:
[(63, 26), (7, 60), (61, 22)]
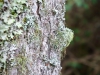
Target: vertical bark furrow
[(36, 50)]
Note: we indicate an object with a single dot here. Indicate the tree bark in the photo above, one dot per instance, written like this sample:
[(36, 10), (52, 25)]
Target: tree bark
[(35, 52)]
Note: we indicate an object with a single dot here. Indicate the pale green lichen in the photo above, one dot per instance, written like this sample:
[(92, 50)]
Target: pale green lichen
[(11, 28), (63, 37), (21, 62), (61, 40)]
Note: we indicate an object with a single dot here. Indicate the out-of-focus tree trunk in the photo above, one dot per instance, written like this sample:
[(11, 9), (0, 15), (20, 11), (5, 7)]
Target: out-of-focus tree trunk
[(37, 51)]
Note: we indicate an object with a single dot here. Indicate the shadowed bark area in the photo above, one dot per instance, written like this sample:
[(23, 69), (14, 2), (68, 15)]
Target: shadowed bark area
[(34, 50)]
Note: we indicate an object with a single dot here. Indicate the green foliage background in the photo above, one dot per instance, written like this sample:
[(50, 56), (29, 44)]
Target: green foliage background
[(83, 55)]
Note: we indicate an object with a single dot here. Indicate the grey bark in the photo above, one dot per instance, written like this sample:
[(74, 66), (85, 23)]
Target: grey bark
[(38, 56)]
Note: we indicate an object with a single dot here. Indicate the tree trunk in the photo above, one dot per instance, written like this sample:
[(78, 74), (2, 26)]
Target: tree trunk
[(35, 37)]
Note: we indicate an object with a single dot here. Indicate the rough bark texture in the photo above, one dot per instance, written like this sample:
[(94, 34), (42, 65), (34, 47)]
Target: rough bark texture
[(38, 56)]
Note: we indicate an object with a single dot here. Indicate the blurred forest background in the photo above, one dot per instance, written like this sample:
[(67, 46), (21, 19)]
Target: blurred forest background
[(83, 54)]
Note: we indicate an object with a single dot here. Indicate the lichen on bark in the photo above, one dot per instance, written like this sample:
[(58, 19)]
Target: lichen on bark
[(35, 37)]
